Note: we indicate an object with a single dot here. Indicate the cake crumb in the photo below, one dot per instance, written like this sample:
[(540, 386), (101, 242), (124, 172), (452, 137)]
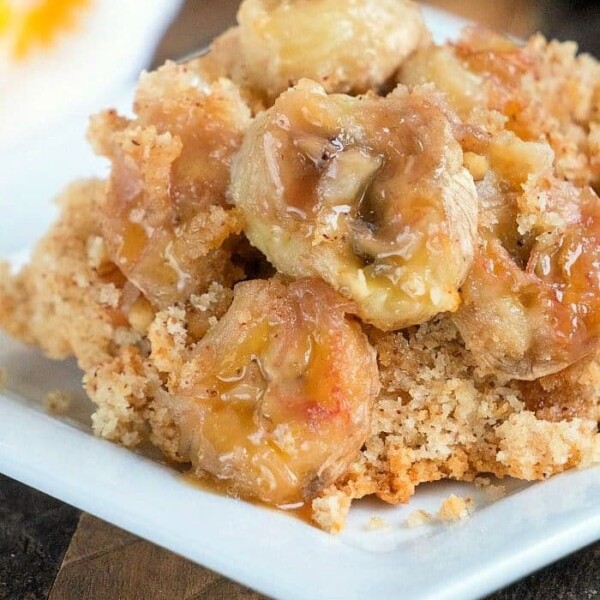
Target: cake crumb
[(330, 511), (454, 508), (57, 402), (375, 523), (418, 518)]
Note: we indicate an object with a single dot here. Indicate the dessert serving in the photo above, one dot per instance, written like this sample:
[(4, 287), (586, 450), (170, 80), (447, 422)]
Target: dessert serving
[(334, 259)]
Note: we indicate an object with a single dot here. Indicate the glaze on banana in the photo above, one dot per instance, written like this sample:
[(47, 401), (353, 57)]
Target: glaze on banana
[(368, 193)]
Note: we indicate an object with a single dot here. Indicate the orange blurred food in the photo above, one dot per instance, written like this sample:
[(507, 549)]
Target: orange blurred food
[(33, 26)]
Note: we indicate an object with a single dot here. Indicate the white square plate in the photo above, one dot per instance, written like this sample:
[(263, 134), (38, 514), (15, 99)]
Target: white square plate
[(266, 550)]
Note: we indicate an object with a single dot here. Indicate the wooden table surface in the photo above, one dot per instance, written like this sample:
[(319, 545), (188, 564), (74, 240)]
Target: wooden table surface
[(49, 550)]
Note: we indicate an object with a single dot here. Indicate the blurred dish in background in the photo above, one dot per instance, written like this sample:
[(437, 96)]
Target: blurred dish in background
[(27, 26), (60, 57)]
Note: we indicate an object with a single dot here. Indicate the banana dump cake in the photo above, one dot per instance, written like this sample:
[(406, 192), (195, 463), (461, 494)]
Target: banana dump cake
[(335, 259)]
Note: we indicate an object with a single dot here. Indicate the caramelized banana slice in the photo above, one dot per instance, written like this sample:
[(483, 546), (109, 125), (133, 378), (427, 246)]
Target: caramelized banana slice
[(165, 221), (345, 45), (368, 193), (531, 302), (275, 399), (535, 318), (537, 90)]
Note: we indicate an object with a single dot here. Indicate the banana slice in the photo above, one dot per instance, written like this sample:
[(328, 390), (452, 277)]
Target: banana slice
[(368, 193), (346, 45)]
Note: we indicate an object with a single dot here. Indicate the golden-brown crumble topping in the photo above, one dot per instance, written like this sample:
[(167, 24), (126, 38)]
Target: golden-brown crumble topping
[(272, 385)]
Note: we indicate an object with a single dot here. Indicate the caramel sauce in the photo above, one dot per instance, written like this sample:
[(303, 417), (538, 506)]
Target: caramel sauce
[(301, 511)]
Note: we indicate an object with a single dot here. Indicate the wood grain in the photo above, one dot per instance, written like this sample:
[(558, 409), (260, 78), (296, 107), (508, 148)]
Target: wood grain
[(34, 533), (104, 562)]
